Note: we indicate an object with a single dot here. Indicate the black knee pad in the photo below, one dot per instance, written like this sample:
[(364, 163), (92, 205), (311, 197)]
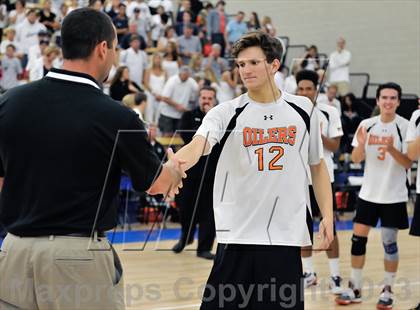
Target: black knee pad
[(358, 245)]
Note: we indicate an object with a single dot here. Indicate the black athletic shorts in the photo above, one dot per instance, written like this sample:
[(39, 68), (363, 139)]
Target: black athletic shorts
[(415, 223), (314, 204), (315, 208), (393, 215), (255, 277)]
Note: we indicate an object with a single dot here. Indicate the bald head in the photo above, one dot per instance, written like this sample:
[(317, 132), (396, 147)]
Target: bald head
[(341, 43)]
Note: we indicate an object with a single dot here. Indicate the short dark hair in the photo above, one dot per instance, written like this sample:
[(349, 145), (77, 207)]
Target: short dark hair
[(308, 75), (391, 85), (167, 30), (82, 30), (188, 12), (92, 2), (208, 88), (44, 33), (134, 37), (313, 47), (12, 46), (139, 98), (271, 46)]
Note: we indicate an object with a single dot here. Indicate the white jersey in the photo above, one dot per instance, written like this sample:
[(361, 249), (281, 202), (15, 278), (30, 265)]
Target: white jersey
[(330, 123), (384, 180), (261, 186), (323, 98), (279, 80), (413, 132), (136, 61), (27, 34), (182, 92)]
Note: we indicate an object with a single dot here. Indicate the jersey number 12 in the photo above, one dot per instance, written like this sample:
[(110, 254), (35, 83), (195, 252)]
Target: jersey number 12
[(277, 150)]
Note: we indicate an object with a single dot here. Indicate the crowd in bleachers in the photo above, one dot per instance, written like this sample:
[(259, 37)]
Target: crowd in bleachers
[(168, 50), (162, 45)]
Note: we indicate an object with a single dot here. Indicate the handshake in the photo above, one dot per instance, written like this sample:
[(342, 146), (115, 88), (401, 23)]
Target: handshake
[(169, 181)]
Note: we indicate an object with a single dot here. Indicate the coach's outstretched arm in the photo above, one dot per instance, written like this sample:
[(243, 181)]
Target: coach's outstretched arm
[(322, 188)]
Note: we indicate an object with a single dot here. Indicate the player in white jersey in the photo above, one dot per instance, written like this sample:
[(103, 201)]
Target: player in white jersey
[(380, 142), (413, 152), (331, 133), (265, 140)]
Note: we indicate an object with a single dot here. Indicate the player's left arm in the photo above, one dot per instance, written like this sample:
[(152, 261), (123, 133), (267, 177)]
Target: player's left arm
[(322, 188), (399, 157), (413, 149), (412, 136), (320, 179), (323, 194), (331, 144), (331, 141)]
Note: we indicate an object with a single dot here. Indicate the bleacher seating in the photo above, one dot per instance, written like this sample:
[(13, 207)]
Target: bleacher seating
[(359, 83), (294, 53)]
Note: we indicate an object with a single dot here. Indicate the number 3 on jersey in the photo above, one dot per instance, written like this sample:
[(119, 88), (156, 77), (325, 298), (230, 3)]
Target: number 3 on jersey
[(272, 165), (382, 152)]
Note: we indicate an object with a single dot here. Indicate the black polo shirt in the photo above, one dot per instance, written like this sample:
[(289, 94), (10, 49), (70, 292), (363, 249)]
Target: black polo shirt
[(63, 145)]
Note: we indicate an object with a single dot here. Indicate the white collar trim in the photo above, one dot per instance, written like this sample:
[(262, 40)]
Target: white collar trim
[(71, 78)]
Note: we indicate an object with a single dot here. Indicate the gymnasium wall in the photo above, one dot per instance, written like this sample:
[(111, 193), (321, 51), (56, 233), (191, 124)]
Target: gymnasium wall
[(383, 35)]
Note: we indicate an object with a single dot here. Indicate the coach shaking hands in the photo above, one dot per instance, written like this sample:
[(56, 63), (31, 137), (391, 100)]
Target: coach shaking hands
[(63, 145)]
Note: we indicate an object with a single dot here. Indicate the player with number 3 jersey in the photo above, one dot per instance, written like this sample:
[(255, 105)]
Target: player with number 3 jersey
[(380, 142)]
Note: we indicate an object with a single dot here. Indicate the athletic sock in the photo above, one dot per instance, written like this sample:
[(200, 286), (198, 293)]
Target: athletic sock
[(334, 267), (389, 278), (308, 264), (356, 278)]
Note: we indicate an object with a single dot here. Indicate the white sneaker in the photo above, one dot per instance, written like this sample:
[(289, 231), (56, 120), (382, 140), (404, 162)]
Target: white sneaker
[(349, 295), (385, 299), (335, 285), (309, 279)]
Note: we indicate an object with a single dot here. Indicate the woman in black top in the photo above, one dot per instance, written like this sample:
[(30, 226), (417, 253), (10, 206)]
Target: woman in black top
[(47, 17), (350, 120), (311, 59), (121, 84), (253, 22)]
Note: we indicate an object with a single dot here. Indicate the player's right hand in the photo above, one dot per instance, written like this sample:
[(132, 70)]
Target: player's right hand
[(361, 135), (326, 233)]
